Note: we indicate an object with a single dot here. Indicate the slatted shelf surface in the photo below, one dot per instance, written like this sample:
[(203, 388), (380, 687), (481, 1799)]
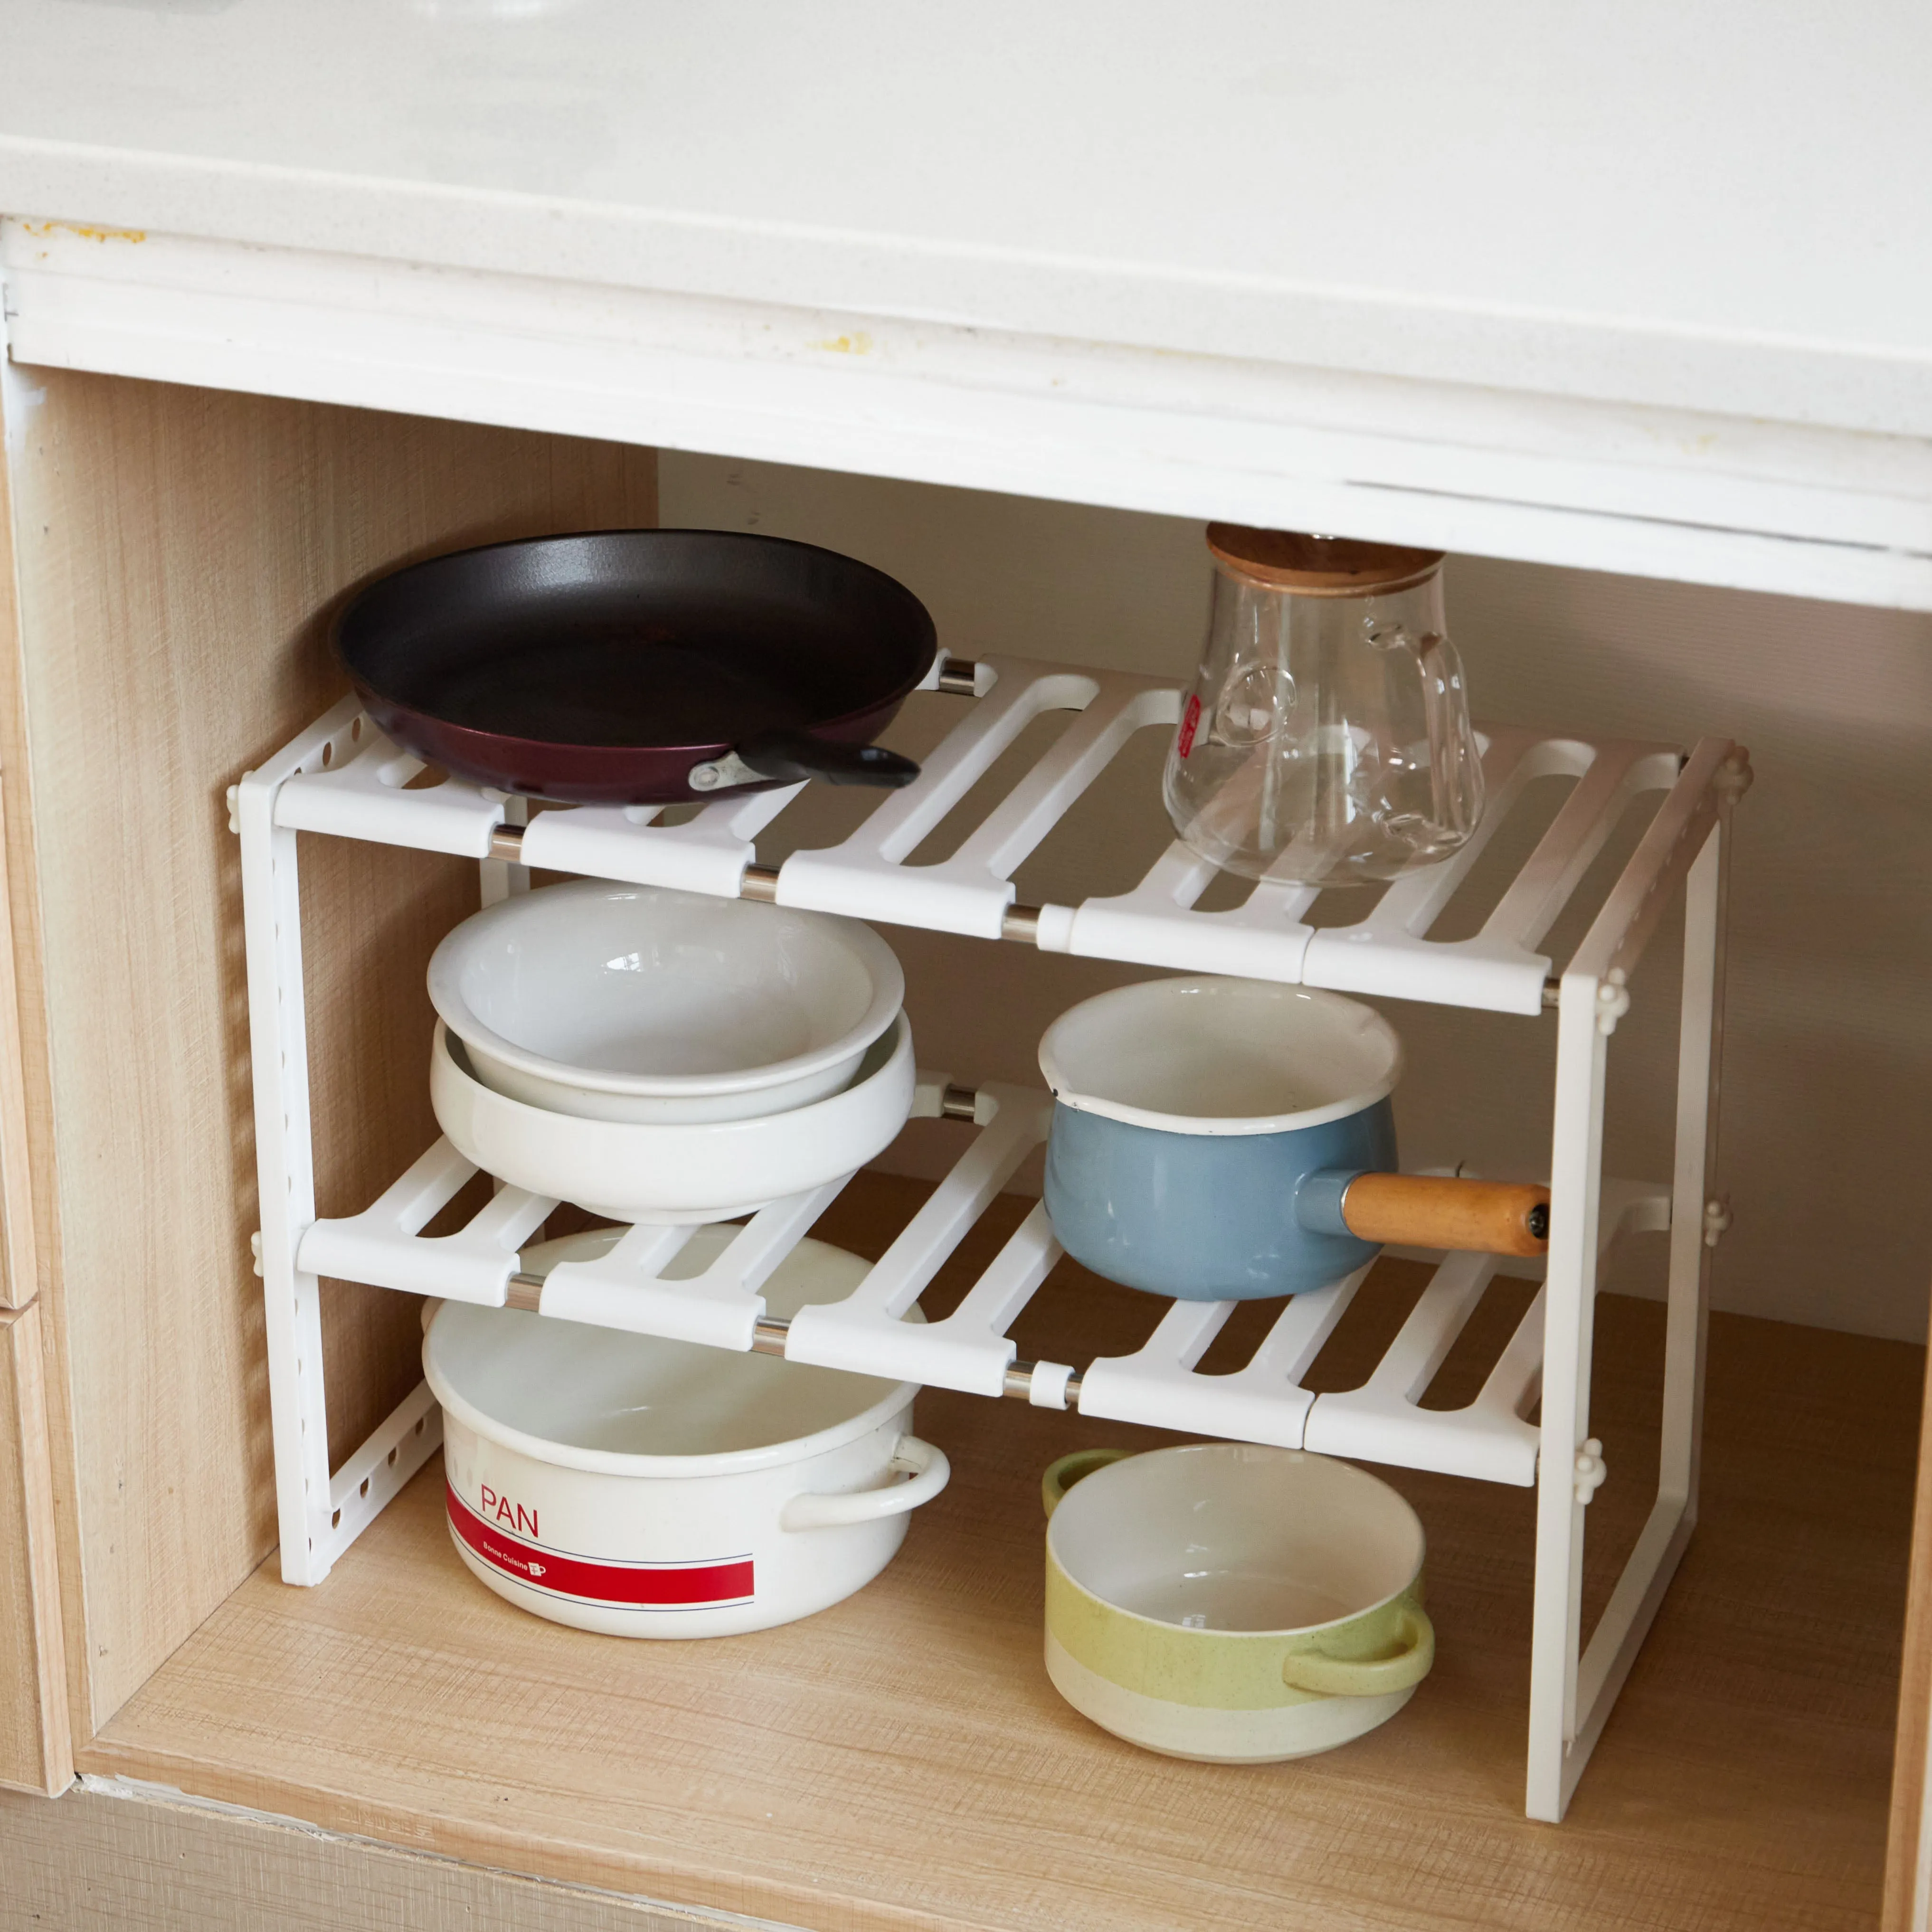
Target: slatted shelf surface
[(345, 777), (969, 1349)]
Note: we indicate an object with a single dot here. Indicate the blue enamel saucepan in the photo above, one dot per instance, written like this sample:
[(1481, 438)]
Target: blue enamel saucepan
[(1219, 1140)]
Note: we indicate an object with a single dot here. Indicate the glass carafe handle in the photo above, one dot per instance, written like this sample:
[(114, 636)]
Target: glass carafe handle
[(1456, 763)]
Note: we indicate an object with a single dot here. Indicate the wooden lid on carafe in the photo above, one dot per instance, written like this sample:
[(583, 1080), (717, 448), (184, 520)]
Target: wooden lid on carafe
[(1320, 566)]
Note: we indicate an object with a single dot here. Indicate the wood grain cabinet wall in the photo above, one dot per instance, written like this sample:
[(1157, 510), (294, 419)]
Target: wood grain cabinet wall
[(36, 1752), (36, 1746), (176, 553)]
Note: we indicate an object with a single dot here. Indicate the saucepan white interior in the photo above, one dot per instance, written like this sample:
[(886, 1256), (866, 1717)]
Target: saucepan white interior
[(1220, 1057)]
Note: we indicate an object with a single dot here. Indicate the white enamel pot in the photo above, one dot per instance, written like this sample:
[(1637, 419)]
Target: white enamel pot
[(657, 1172), (645, 1488)]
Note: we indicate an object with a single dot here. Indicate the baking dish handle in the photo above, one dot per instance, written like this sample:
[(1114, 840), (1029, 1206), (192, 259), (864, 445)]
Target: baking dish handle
[(929, 1470), (1367, 1676), (1061, 1476)]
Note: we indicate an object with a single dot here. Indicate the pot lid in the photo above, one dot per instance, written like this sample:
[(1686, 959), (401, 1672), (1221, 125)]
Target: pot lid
[(1318, 566)]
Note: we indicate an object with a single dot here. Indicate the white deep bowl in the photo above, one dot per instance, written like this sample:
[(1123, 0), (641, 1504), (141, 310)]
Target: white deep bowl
[(647, 1488), (672, 1171), (638, 1002)]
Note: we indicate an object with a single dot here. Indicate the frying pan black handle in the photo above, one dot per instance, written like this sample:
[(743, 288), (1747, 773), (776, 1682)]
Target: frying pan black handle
[(798, 754)]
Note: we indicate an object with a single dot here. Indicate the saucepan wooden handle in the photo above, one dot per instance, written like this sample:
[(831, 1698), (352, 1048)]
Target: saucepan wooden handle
[(1424, 1210)]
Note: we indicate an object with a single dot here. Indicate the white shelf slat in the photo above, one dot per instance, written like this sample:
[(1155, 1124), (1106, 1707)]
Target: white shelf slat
[(347, 779), (869, 1332)]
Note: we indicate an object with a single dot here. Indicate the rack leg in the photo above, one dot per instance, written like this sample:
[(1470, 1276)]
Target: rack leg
[(285, 1173), (1571, 1696), (1694, 1237), (1576, 1172)]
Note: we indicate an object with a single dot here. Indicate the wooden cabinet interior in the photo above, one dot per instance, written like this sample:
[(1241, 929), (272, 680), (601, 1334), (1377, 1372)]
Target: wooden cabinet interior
[(36, 1748), (175, 548)]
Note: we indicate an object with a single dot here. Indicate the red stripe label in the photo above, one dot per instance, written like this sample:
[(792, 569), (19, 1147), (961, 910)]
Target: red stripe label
[(658, 1585), (1190, 719)]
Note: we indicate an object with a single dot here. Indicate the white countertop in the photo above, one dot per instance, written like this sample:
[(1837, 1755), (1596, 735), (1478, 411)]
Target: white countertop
[(1726, 206), (1724, 209)]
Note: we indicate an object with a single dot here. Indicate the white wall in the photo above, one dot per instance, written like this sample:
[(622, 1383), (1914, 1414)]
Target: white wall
[(1828, 1070)]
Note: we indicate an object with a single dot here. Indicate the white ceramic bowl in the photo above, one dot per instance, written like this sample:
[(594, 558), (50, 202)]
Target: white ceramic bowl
[(668, 1171), (638, 1002), (647, 1488)]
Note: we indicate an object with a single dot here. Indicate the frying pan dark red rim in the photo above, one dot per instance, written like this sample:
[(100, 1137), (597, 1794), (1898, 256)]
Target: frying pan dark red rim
[(446, 742), (850, 721), (365, 689)]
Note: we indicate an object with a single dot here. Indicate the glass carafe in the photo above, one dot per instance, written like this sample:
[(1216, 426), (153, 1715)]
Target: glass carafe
[(1326, 739)]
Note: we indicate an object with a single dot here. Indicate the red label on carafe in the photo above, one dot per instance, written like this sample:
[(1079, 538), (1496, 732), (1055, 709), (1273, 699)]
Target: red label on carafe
[(1189, 718)]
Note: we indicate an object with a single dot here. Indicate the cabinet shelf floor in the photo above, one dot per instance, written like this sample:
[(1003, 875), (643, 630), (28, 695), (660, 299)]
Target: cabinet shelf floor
[(901, 1761)]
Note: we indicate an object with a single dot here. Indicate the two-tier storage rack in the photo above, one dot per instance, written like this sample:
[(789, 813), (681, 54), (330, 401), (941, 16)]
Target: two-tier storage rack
[(342, 777)]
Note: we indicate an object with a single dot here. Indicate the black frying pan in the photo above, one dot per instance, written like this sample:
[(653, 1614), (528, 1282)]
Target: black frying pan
[(640, 667)]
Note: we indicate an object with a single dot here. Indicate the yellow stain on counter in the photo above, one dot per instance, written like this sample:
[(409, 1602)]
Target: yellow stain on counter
[(85, 234), (857, 343)]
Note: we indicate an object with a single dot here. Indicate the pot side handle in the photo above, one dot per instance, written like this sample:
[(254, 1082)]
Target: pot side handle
[(1061, 1476), (930, 1472), (1326, 1676)]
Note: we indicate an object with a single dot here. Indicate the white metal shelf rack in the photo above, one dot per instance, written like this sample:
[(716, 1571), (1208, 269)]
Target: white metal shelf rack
[(342, 777)]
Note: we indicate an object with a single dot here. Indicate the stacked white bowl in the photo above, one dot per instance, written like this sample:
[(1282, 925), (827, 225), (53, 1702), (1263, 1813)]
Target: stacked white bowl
[(662, 1056)]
